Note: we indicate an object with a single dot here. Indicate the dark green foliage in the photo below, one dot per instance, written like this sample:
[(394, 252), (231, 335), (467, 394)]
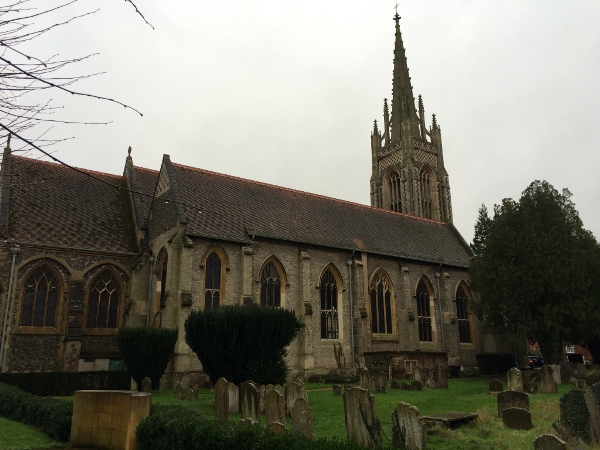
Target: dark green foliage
[(536, 272), (61, 384), (482, 229), (242, 342), (495, 363), (146, 352), (574, 414), (49, 415), (183, 429)]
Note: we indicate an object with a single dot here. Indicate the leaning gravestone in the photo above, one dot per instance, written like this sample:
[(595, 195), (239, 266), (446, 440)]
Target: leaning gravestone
[(405, 386), (394, 384), (365, 379), (221, 399), (407, 428), (549, 442), (547, 383), (556, 373), (495, 386), (178, 391), (146, 385), (337, 390), (249, 402), (293, 391), (517, 418), (274, 407), (512, 399), (515, 380), (362, 424), (417, 373), (566, 372), (302, 418), (440, 376), (381, 382), (233, 392), (416, 386), (592, 400)]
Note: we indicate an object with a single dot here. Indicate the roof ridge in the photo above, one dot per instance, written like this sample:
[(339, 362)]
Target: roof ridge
[(312, 194), (63, 166)]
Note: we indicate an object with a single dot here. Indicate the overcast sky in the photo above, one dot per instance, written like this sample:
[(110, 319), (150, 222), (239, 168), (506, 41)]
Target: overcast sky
[(286, 92)]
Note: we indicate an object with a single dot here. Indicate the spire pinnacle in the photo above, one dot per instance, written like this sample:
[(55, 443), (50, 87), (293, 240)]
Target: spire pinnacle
[(129, 151), (375, 129), (8, 141)]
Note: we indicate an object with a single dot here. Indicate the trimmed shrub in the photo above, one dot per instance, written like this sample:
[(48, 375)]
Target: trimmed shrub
[(146, 352), (574, 414), (495, 363), (61, 384), (242, 342), (49, 415)]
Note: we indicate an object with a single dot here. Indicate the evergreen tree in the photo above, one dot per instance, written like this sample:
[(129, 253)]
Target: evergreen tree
[(482, 227)]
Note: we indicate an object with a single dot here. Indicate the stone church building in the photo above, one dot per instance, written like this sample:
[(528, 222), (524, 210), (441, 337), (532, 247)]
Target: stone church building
[(383, 286)]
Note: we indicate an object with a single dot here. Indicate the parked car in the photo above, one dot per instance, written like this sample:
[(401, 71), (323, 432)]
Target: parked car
[(535, 359)]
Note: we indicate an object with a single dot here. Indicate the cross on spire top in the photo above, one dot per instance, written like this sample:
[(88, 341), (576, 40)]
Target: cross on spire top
[(396, 17)]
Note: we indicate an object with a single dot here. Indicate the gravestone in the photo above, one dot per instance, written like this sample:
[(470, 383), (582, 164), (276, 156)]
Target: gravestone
[(531, 387), (575, 417), (547, 383), (249, 401), (234, 398), (566, 372), (299, 378), (192, 393), (362, 424), (556, 373), (178, 391), (337, 390), (381, 382), (593, 378), (222, 399), (495, 386), (293, 391), (416, 386), (147, 385), (276, 427), (274, 407), (517, 418), (440, 376), (407, 428), (549, 442), (580, 370), (365, 379), (394, 384), (417, 373), (580, 383), (592, 400), (512, 399), (302, 418), (515, 380), (405, 386), (428, 377)]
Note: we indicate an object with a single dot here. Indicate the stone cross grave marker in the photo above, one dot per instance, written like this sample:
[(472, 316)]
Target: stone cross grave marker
[(517, 418), (302, 418), (408, 431), (293, 391), (549, 442), (547, 383), (249, 401), (222, 399), (495, 386), (234, 398), (515, 380), (337, 390), (592, 400), (178, 391), (440, 376), (416, 386), (274, 407), (381, 382), (365, 379), (362, 424), (512, 399), (146, 385)]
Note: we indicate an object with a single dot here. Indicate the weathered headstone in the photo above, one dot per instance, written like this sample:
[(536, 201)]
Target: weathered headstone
[(381, 382), (405, 386), (495, 386), (407, 428), (261, 396), (547, 383), (365, 379), (302, 418), (531, 387), (549, 442), (592, 400), (515, 380), (512, 399), (580, 383), (192, 393), (249, 401), (146, 385), (580, 370), (417, 373), (178, 391), (274, 407), (394, 384), (575, 418), (416, 386), (221, 399), (234, 398), (337, 390), (517, 418), (566, 372), (362, 424), (440, 376), (278, 428), (293, 391), (556, 373)]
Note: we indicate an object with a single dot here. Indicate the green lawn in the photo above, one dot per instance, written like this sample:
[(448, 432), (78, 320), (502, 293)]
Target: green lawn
[(15, 435)]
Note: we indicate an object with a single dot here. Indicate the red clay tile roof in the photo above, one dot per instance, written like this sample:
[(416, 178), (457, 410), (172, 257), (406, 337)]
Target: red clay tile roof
[(53, 205), (231, 208)]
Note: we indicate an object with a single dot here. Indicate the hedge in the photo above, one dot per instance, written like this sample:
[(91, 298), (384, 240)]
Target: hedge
[(49, 415), (495, 363), (184, 429), (61, 384)]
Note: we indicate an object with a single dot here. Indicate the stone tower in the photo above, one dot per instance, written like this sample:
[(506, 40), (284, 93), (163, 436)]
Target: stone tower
[(408, 173)]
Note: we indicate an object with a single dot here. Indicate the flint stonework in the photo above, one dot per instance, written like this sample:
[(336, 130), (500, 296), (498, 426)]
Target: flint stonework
[(512, 399), (362, 424), (407, 428)]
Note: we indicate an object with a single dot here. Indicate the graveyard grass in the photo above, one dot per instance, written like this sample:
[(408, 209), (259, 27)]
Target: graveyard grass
[(16, 435)]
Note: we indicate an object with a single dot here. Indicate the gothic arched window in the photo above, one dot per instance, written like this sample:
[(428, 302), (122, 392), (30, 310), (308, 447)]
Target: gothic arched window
[(394, 192), (212, 281), (424, 312), (380, 291), (103, 301), (462, 312), (426, 193), (40, 298), (329, 306), (270, 286)]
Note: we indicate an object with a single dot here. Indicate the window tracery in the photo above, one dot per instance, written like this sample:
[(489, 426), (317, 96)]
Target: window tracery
[(462, 313), (381, 303), (394, 192), (329, 306), (212, 282), (40, 298), (270, 286), (426, 182), (424, 312), (103, 301)]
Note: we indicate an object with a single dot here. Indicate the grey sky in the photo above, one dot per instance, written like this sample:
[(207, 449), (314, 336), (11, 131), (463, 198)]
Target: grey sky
[(286, 92)]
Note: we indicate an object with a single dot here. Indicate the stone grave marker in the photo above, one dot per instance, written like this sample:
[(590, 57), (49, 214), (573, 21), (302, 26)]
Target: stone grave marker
[(250, 401), (575, 419), (515, 380), (417, 373), (566, 372), (381, 382), (549, 442), (556, 373), (592, 400), (512, 399), (278, 428), (299, 378), (580, 383), (262, 391), (337, 390), (547, 383), (365, 379), (192, 393), (405, 386), (233, 392), (394, 384), (347, 386), (580, 370), (302, 418), (593, 378), (428, 377), (293, 391), (274, 407), (222, 399), (147, 385), (531, 386), (416, 386), (495, 386), (407, 428), (517, 418), (362, 424), (440, 376), (178, 391)]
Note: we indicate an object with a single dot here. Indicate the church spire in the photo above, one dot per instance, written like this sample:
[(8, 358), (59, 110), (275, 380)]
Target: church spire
[(402, 91)]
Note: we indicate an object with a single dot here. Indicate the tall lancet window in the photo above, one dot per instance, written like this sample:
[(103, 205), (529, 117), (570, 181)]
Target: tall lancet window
[(424, 312), (381, 304), (394, 193), (212, 282), (462, 311), (329, 306), (270, 286), (41, 292), (426, 193)]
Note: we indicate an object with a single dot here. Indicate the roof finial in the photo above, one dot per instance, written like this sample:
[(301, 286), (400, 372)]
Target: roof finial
[(396, 17), (129, 151), (8, 141)]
